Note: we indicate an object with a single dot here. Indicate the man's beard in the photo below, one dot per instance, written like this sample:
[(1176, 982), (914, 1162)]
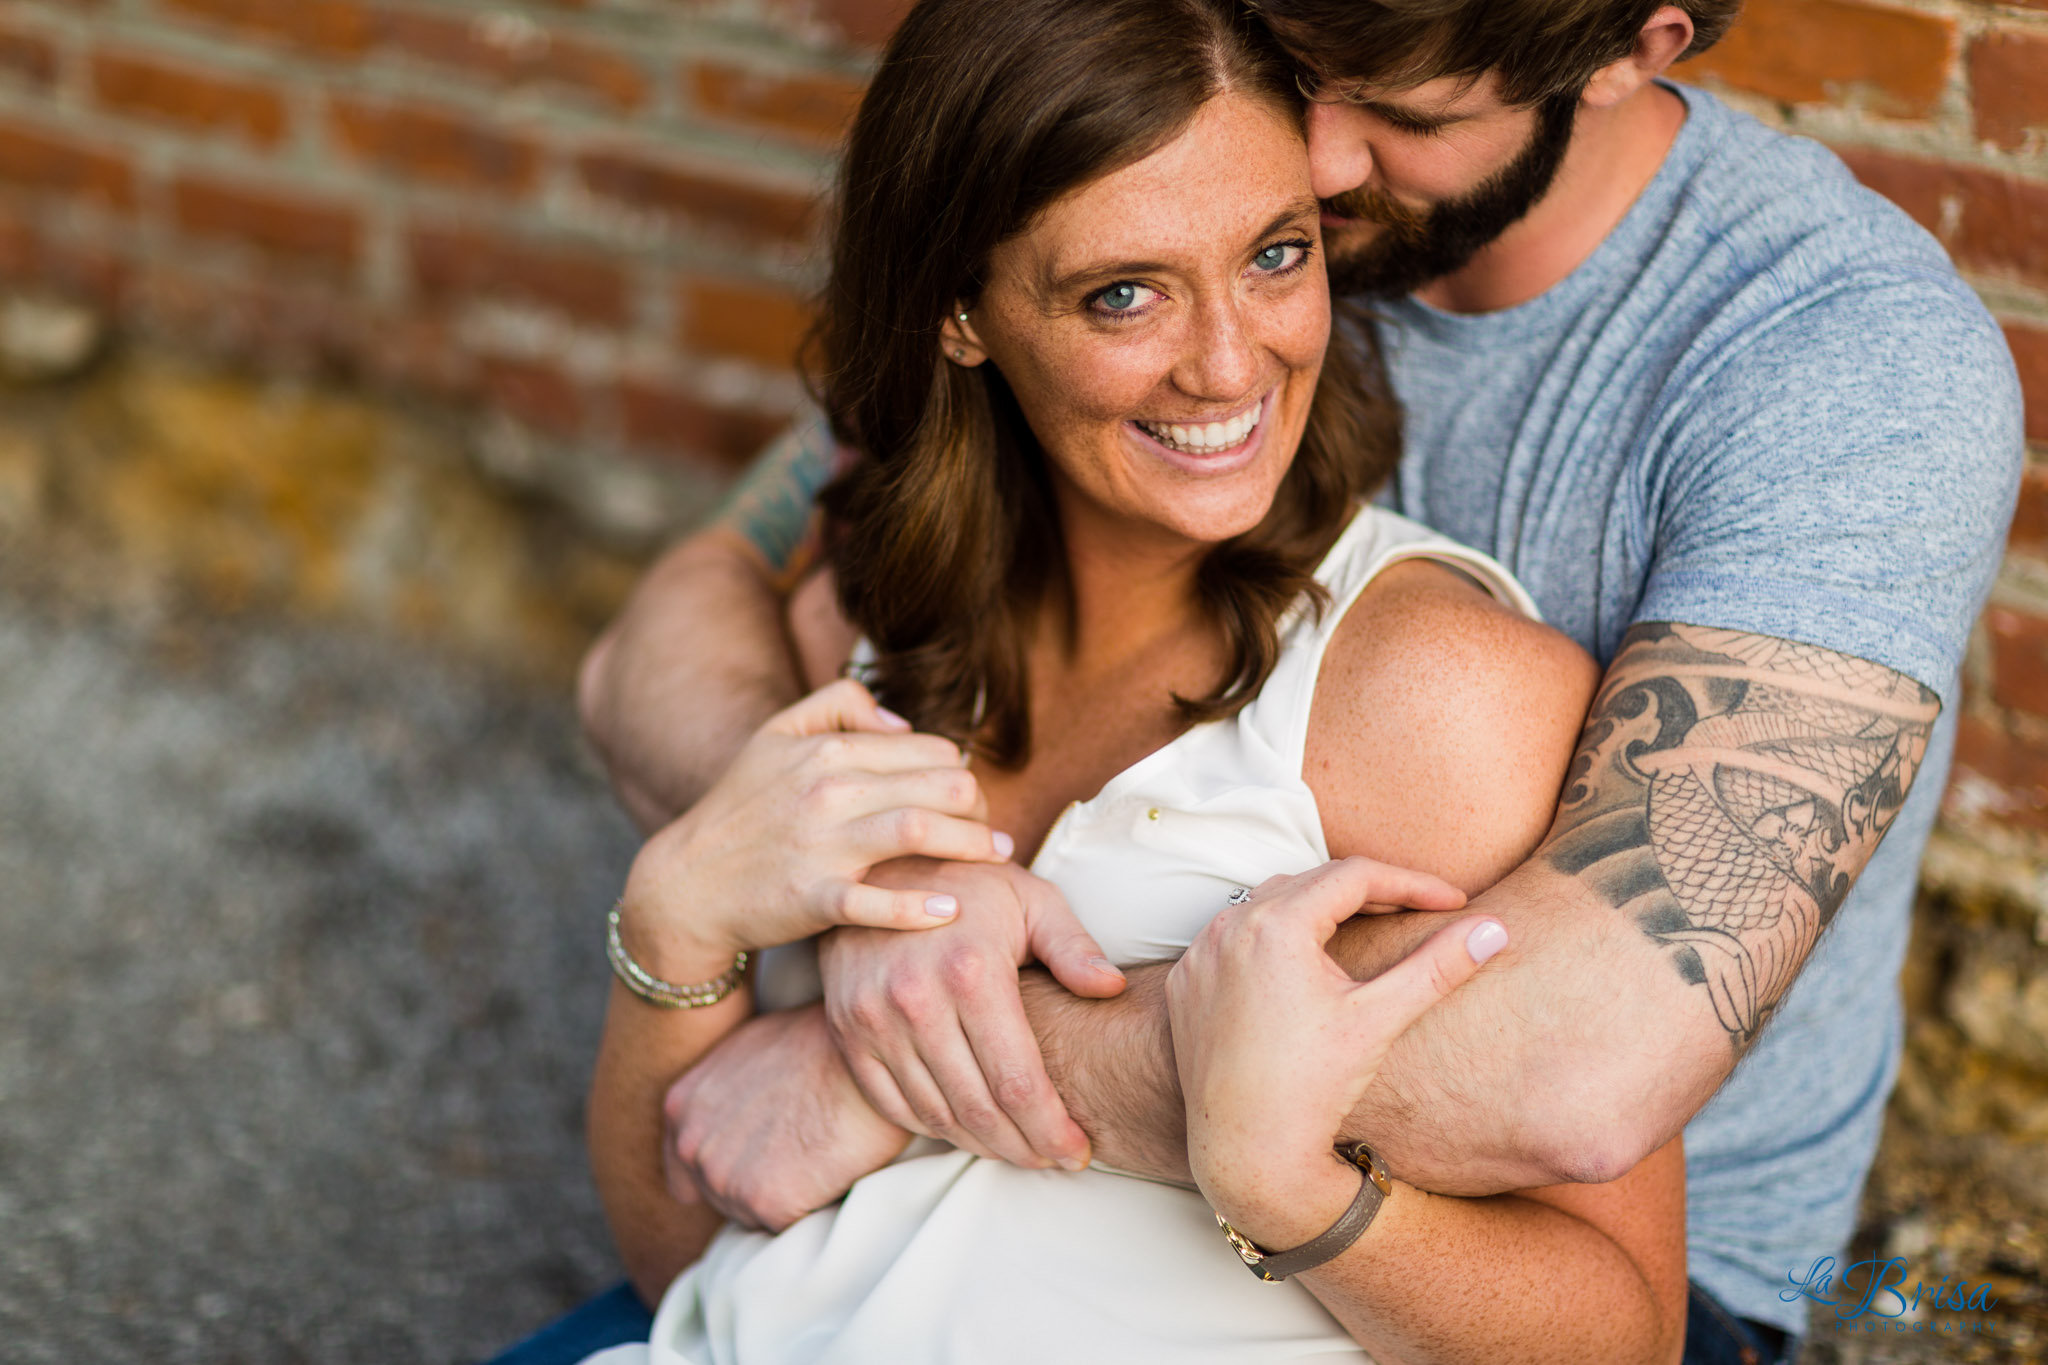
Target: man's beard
[(1414, 247)]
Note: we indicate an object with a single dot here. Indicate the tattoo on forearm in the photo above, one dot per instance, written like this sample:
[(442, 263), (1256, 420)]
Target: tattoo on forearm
[(1727, 790), (772, 504)]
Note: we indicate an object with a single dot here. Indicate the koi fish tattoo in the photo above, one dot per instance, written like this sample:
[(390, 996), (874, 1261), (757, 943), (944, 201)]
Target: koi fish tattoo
[(1727, 790)]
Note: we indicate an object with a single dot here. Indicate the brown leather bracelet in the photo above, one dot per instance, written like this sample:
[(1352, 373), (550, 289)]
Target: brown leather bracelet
[(1373, 1188)]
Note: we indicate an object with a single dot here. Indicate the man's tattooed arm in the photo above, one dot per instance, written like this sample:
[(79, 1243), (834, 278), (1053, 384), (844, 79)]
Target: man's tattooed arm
[(701, 655), (772, 504), (1726, 792)]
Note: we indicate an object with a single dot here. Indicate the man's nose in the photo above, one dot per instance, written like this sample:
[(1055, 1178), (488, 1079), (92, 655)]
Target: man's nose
[(1339, 156), (1222, 363)]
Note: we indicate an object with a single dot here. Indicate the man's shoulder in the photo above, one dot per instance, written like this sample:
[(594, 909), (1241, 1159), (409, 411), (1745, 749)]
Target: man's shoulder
[(1760, 199), (1793, 283)]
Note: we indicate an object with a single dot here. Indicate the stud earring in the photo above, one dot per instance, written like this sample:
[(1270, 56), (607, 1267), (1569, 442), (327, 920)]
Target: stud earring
[(961, 316), (959, 354)]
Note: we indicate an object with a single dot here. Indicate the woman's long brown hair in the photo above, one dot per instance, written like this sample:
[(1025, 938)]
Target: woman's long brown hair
[(945, 538)]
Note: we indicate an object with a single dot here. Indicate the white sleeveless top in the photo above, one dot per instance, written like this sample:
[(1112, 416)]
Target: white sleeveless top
[(945, 1257)]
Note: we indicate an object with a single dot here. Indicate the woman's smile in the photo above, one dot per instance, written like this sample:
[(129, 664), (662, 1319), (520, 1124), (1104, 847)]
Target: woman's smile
[(1207, 445)]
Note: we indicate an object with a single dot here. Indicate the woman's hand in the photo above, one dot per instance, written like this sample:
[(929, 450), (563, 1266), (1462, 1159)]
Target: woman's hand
[(778, 850), (1275, 1043)]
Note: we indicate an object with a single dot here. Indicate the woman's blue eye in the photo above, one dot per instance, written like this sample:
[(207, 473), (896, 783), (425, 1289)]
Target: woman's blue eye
[(1278, 257)]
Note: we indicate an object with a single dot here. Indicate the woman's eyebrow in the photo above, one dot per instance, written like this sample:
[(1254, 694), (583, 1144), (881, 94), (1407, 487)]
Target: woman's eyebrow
[(1051, 286)]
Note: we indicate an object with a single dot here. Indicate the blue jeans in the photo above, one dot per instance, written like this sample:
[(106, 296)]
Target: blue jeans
[(610, 1319), (1713, 1335)]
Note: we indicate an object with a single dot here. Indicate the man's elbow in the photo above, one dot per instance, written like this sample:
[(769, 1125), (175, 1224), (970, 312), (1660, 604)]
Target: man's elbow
[(1583, 1139)]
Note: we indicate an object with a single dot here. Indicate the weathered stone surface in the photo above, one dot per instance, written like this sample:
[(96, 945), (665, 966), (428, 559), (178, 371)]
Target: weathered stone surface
[(300, 977), (153, 478), (1997, 994), (42, 339)]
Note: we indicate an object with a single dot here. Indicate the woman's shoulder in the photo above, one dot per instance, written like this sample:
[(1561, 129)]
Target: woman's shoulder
[(1442, 725)]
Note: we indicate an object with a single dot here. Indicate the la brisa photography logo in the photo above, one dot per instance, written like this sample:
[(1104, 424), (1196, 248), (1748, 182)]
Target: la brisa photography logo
[(1875, 1296)]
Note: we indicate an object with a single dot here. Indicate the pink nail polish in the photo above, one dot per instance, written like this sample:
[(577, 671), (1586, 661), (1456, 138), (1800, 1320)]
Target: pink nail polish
[(1485, 940), (1005, 845), (941, 907), (891, 719)]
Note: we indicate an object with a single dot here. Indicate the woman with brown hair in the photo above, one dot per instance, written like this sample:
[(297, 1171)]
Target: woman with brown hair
[(1107, 537)]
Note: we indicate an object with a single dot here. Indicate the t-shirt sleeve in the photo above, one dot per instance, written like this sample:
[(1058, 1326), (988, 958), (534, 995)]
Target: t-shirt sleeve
[(1842, 475)]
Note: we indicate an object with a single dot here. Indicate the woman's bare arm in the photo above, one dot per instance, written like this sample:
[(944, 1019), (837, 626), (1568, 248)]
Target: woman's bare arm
[(1442, 727)]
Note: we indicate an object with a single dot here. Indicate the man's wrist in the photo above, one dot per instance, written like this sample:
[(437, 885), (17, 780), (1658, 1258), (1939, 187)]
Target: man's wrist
[(1112, 1063)]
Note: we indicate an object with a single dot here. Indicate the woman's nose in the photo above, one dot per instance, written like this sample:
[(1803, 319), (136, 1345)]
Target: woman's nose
[(1222, 362), (1339, 154)]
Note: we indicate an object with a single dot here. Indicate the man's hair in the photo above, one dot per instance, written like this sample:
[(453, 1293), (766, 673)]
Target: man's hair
[(1537, 48), (945, 538)]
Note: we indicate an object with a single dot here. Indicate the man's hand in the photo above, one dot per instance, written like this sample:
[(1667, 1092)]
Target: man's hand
[(935, 1032), (771, 1126)]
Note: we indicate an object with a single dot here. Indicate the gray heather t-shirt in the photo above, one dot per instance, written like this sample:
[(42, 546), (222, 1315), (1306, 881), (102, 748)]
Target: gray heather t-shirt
[(1765, 403)]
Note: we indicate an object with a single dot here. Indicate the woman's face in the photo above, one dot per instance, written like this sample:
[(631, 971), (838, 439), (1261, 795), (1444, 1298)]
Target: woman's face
[(1163, 327)]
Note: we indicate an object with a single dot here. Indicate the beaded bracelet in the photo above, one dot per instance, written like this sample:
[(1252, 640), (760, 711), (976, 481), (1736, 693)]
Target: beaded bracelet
[(653, 989)]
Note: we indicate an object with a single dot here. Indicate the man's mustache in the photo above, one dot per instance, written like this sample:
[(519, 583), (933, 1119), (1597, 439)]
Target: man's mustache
[(1370, 204)]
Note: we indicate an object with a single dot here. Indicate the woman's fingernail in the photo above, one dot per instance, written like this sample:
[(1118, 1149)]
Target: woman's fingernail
[(1485, 940), (1005, 845), (891, 719), (1073, 1163), (941, 907), (1103, 964)]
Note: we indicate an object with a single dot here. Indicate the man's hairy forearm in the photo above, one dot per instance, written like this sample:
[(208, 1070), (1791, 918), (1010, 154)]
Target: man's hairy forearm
[(691, 668), (1459, 1104), (701, 655)]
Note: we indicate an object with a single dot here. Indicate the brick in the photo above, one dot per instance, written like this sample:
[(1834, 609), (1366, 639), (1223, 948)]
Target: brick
[(657, 188), (537, 394), (667, 421), (2009, 87), (149, 89), (817, 109), (863, 23), (31, 158), (2019, 659), (30, 257), (1987, 219), (1818, 51), (2030, 519), (289, 226), (331, 28), (516, 54), (2005, 775), (867, 23), (2030, 354), (433, 144), (450, 264), (28, 58), (744, 321)]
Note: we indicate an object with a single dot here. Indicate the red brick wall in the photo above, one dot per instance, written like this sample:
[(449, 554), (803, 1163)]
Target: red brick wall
[(596, 216), (593, 216), (1943, 106)]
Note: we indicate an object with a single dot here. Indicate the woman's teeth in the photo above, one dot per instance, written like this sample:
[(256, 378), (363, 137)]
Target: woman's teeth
[(1206, 438)]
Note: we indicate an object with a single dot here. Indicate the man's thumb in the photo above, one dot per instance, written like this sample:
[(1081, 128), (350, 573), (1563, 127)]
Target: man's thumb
[(1446, 960), (1055, 937)]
